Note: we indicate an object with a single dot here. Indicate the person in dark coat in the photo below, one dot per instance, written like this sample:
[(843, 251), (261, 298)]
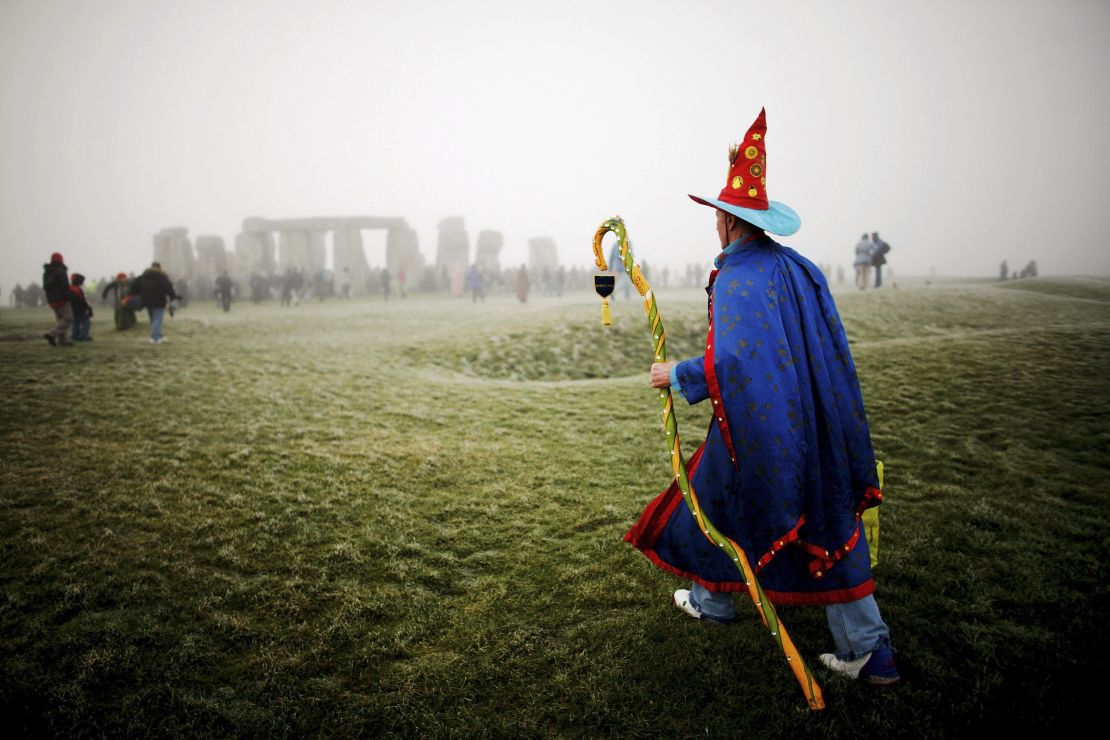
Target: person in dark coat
[(55, 282), (878, 257), (156, 290), (224, 288), (82, 310)]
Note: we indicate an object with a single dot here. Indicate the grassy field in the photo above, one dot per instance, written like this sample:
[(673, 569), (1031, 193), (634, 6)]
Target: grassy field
[(406, 518)]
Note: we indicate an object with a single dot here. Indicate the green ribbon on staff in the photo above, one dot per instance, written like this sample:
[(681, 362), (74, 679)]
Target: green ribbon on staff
[(735, 553)]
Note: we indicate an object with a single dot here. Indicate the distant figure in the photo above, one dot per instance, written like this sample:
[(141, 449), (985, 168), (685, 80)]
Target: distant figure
[(34, 295), (457, 282), (182, 293), (224, 288), (260, 288), (55, 281), (474, 284), (401, 282), (345, 284), (840, 274), (560, 280), (1003, 271), (879, 249), (616, 266), (863, 262), (82, 311), (16, 298), (522, 284), (156, 290), (287, 288), (123, 316), (385, 278)]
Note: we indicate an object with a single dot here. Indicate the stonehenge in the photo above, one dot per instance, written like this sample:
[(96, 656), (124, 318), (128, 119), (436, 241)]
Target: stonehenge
[(268, 247)]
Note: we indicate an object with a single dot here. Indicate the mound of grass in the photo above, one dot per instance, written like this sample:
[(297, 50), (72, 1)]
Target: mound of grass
[(1093, 289), (580, 349)]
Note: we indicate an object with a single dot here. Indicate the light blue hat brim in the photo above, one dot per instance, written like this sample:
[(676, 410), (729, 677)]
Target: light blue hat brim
[(779, 219)]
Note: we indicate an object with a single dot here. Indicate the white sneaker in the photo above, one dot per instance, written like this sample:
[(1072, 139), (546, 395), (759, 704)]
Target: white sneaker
[(875, 667), (849, 668), (153, 340), (684, 602)]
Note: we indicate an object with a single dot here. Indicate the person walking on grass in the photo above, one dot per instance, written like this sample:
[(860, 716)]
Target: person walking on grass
[(123, 316), (787, 466), (474, 284), (864, 252), (384, 277), (55, 283), (82, 310), (156, 290), (522, 284), (224, 288), (879, 249)]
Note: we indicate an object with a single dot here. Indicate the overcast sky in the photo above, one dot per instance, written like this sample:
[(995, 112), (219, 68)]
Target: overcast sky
[(965, 132)]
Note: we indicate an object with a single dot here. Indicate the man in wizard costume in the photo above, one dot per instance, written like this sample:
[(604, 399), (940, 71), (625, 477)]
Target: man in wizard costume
[(787, 468)]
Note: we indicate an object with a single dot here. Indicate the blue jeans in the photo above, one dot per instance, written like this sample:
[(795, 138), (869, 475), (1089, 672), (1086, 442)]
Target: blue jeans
[(856, 626), (81, 328), (156, 315)]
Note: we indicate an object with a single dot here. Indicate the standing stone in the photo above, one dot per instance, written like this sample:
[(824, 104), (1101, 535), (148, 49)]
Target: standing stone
[(254, 252), (487, 249), (402, 254), (348, 253), (212, 258), (173, 250), (542, 254), (293, 253), (317, 249), (453, 249)]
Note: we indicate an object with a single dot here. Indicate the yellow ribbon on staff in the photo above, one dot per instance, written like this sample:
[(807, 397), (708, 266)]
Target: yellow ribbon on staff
[(871, 522)]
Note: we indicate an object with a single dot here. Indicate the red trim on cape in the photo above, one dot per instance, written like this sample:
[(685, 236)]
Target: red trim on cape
[(780, 543), (821, 598), (824, 559), (719, 414)]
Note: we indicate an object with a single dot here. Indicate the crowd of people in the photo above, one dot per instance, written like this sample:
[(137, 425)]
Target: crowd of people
[(65, 295), (1029, 271), (154, 291)]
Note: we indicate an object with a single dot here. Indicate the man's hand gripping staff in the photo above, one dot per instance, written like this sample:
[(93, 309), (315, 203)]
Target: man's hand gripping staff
[(766, 609)]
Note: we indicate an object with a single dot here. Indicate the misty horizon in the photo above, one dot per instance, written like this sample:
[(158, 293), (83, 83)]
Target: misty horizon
[(965, 135)]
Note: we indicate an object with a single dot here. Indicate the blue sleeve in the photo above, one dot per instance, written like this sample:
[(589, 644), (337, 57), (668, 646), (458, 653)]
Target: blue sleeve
[(690, 377)]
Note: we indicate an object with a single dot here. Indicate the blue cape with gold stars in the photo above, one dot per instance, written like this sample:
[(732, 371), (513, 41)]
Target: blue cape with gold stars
[(787, 467)]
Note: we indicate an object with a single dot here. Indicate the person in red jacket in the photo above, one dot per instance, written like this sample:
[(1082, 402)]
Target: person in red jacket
[(55, 283)]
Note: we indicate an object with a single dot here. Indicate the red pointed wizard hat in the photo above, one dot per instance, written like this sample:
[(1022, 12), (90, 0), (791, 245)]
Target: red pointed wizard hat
[(745, 192)]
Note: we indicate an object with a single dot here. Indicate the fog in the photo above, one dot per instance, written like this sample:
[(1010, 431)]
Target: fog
[(965, 133)]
